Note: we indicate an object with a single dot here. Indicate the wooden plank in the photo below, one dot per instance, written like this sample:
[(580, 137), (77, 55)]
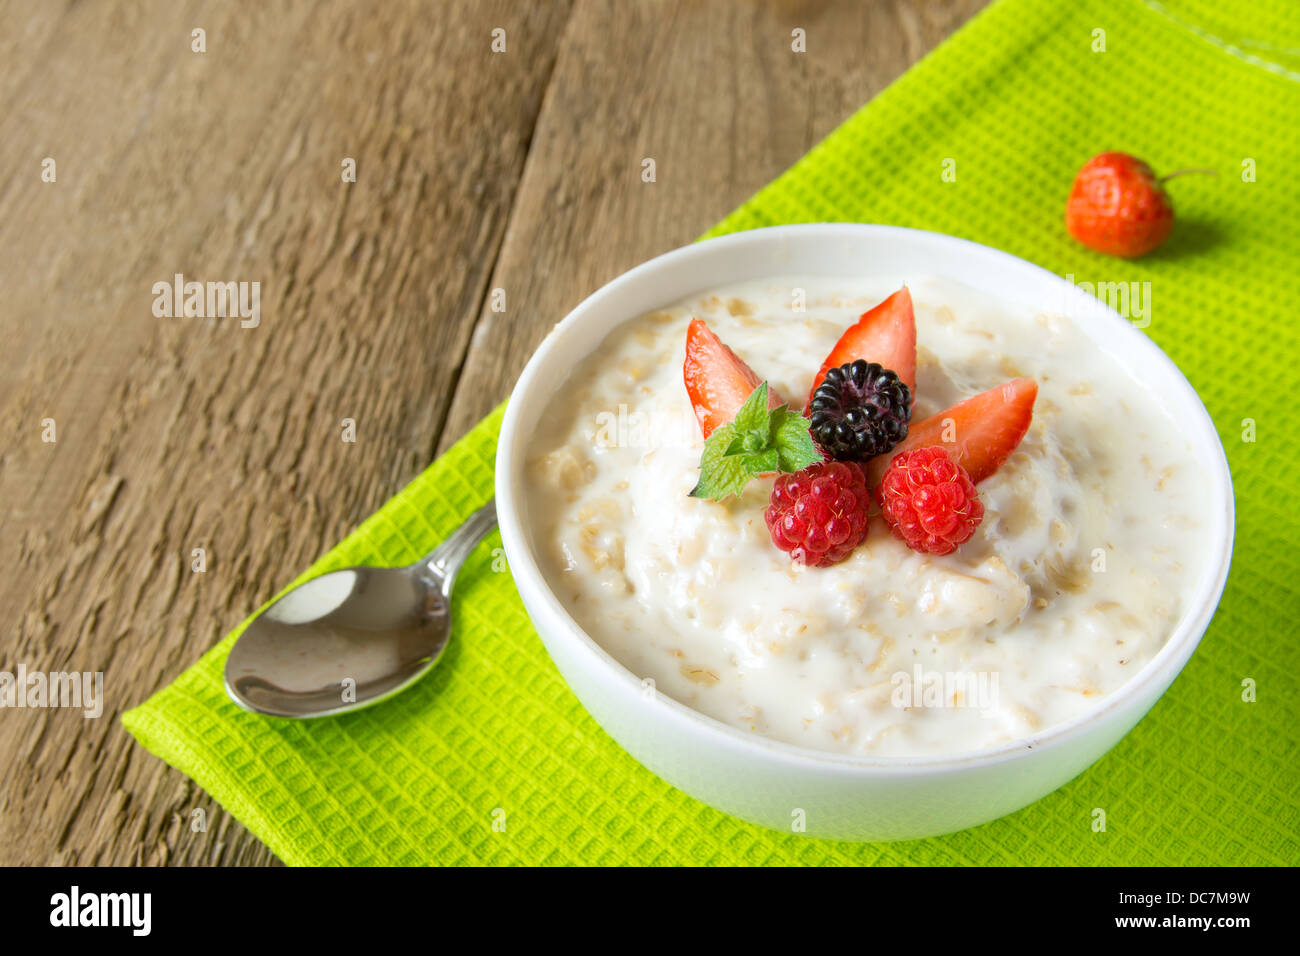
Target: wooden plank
[(716, 96), (183, 433)]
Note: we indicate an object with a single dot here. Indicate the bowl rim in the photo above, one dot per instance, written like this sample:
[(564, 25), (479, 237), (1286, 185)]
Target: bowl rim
[(529, 579)]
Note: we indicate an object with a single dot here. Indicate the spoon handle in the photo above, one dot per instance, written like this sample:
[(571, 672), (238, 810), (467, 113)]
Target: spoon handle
[(446, 559)]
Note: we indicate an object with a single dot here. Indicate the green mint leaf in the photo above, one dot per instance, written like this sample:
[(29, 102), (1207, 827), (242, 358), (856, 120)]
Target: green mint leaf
[(759, 462), (752, 416), (758, 441), (794, 443), (721, 475), (750, 443)]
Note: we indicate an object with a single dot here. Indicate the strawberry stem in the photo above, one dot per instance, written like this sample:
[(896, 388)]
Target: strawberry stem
[(1184, 172)]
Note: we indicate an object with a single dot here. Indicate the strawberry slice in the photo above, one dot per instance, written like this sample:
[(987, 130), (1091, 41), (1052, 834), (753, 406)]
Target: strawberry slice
[(985, 428), (717, 380), (885, 334)]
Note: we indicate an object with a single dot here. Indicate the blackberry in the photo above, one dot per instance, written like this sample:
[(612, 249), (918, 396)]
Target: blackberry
[(860, 410)]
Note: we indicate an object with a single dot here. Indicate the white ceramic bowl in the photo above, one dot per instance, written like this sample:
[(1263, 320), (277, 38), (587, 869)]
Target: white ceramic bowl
[(780, 785)]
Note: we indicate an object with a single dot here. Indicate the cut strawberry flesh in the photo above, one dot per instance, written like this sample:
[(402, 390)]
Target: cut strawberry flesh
[(984, 430), (717, 380), (885, 334)]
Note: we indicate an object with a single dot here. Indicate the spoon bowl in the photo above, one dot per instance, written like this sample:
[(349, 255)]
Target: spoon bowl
[(351, 638)]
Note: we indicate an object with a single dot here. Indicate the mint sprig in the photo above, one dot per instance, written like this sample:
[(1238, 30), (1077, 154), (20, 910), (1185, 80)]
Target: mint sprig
[(758, 440)]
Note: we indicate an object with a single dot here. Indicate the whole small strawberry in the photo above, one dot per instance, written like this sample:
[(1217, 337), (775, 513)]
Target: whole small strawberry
[(1118, 206)]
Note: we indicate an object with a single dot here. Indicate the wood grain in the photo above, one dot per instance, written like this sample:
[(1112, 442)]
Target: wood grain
[(175, 434), (475, 171), (715, 95)]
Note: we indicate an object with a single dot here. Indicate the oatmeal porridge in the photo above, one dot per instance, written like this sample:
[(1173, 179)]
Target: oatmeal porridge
[(1086, 553)]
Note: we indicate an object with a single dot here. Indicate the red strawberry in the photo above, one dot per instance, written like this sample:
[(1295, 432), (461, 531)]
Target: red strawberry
[(1118, 206), (885, 334), (717, 381), (985, 429)]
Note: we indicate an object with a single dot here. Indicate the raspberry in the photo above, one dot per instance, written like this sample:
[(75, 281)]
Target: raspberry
[(860, 410), (929, 501), (819, 515)]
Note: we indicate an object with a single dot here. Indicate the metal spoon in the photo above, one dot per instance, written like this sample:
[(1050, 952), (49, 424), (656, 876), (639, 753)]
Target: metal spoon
[(351, 638)]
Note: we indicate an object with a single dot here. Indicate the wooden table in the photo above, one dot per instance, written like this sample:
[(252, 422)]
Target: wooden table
[(476, 170)]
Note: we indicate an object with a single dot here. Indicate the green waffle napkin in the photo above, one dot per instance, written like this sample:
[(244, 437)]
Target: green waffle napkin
[(1013, 104)]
